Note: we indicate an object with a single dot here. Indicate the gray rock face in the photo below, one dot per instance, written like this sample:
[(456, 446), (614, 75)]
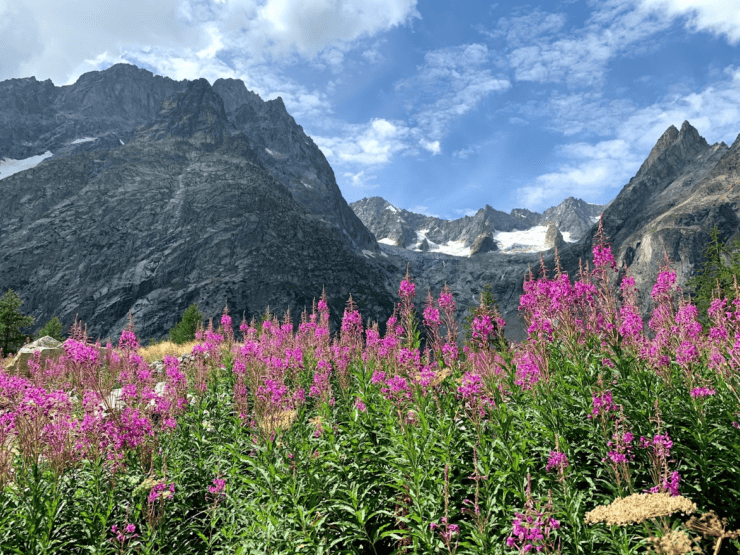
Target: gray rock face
[(110, 106), (528, 217), (553, 238), (37, 116), (179, 215), (399, 227)]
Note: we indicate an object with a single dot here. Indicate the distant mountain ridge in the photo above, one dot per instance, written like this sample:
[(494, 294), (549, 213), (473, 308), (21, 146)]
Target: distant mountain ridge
[(401, 228)]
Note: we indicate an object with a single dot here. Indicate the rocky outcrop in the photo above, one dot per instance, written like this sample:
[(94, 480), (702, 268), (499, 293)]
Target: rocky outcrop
[(49, 348), (528, 218), (483, 243), (104, 110), (389, 224), (553, 238)]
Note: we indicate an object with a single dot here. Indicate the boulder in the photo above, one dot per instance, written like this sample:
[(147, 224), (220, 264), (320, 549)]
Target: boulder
[(424, 247), (50, 349)]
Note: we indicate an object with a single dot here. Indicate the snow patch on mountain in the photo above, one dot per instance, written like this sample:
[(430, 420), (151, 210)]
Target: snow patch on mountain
[(509, 242), (8, 166)]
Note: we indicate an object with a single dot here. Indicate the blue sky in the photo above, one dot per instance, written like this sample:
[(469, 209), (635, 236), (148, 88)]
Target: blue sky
[(438, 106)]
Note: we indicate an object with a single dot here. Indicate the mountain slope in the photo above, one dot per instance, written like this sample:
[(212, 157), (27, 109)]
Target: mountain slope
[(682, 190), (181, 214)]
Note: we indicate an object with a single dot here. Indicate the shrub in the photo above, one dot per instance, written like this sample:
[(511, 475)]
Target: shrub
[(184, 332)]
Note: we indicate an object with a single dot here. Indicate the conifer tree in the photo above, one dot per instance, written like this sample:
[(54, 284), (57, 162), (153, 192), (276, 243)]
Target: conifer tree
[(53, 328), (717, 275), (11, 320), (184, 332)]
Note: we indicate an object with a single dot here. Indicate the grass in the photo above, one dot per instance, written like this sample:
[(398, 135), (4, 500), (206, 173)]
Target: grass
[(485, 453)]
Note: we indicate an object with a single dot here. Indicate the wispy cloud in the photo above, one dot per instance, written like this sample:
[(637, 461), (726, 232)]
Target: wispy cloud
[(449, 84), (538, 52), (720, 17)]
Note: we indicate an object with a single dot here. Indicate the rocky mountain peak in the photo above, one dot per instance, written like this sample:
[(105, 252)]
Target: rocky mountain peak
[(684, 143), (197, 113), (235, 94)]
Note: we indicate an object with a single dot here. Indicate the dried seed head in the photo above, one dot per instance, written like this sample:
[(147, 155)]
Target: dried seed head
[(638, 508), (673, 543)]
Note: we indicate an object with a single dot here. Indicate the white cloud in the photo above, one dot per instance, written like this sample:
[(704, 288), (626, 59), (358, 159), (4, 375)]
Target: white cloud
[(720, 17), (369, 144), (373, 55), (361, 180), (432, 147), (283, 26), (591, 170), (581, 58), (423, 210), (48, 39), (522, 29)]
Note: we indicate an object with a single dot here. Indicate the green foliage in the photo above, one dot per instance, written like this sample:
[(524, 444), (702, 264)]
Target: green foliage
[(489, 305), (184, 332), (715, 271), (11, 320), (53, 328)]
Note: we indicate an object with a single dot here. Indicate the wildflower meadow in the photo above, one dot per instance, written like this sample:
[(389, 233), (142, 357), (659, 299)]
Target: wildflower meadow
[(593, 435)]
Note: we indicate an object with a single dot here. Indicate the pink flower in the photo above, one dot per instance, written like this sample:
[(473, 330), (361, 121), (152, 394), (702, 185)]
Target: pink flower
[(702, 392), (218, 486), (556, 460)]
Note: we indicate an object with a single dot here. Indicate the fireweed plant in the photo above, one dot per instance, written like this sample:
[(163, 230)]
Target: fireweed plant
[(590, 436)]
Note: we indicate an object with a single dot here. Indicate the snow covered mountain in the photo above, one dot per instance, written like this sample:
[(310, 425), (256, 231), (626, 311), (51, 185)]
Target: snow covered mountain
[(521, 231)]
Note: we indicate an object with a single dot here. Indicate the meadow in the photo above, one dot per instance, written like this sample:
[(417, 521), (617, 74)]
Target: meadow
[(591, 436)]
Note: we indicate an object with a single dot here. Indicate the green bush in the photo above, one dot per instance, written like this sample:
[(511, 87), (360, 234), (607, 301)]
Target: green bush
[(53, 328), (184, 332)]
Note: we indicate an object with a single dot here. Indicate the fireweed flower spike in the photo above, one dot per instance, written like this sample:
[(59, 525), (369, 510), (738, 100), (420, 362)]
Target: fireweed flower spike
[(531, 529), (407, 292)]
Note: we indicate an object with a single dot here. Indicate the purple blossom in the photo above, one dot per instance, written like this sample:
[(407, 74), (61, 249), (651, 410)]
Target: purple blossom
[(702, 392), (556, 460)]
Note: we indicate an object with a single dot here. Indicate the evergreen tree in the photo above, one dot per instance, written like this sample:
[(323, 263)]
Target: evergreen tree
[(184, 332), (715, 274), (489, 305), (53, 328), (11, 320)]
